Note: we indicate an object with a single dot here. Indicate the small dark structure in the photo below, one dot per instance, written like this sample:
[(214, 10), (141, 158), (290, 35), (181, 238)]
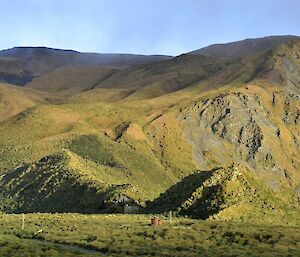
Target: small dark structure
[(131, 208), (156, 221), (123, 205)]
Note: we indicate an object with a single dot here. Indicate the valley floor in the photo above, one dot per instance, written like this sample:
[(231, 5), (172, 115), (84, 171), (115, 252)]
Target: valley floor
[(132, 235)]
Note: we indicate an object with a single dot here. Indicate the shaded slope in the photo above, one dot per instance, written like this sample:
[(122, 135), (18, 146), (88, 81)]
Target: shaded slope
[(283, 66), (13, 72), (155, 79), (55, 183), (34, 56), (163, 77), (70, 79), (20, 65), (49, 185), (224, 193)]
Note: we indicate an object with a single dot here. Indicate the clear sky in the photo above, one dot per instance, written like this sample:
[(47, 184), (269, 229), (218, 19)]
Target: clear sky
[(142, 26)]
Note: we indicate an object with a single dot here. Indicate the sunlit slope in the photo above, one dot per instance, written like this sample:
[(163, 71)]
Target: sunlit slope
[(88, 182), (13, 100), (112, 147), (232, 193), (152, 147)]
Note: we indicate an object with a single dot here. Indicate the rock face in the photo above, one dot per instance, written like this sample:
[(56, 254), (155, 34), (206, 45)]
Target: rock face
[(257, 125), (246, 143), (245, 128)]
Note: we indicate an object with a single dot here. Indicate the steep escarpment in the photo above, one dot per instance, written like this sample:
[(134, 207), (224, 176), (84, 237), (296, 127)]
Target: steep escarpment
[(245, 143)]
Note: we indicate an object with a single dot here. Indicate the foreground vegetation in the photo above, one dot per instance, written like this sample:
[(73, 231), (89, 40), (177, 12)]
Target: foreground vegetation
[(131, 235)]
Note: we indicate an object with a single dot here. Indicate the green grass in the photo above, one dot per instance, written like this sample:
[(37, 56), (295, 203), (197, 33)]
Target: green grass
[(121, 235)]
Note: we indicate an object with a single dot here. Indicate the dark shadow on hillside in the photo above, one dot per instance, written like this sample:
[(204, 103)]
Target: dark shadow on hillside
[(209, 204), (48, 186), (176, 195), (15, 79)]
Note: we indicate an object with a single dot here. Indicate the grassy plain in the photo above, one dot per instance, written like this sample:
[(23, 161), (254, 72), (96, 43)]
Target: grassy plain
[(131, 235)]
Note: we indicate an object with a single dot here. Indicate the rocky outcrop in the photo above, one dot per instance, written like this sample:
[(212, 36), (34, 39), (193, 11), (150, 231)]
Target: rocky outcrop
[(254, 127)]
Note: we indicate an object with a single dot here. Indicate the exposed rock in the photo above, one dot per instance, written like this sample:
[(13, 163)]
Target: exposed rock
[(239, 127)]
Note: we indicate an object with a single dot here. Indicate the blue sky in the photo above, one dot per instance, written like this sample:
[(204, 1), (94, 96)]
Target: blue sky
[(142, 26)]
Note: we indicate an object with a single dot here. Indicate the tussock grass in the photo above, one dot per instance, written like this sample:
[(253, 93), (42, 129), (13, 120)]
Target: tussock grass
[(121, 235)]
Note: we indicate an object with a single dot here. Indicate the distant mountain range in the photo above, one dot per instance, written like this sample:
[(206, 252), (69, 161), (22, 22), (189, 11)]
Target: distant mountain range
[(20, 65)]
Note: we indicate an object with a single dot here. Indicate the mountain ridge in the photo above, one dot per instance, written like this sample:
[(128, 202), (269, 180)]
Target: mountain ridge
[(238, 49)]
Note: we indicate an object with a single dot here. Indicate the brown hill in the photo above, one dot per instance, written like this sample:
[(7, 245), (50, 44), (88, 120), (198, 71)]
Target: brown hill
[(242, 48), (70, 79)]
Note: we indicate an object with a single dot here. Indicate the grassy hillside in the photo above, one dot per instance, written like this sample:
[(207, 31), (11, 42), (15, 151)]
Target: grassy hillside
[(199, 136), (225, 194), (13, 100), (163, 77), (245, 47)]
